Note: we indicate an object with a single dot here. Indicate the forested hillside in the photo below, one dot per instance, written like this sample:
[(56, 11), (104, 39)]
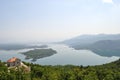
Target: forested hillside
[(104, 47), (102, 44), (110, 71)]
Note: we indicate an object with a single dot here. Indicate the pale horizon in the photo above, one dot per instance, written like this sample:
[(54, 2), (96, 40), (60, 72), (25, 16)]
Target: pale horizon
[(29, 21)]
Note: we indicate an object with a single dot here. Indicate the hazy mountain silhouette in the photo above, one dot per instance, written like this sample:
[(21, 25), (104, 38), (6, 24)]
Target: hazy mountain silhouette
[(19, 46), (88, 39), (102, 44)]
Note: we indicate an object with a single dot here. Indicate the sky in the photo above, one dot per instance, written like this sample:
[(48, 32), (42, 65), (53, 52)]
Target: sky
[(56, 20)]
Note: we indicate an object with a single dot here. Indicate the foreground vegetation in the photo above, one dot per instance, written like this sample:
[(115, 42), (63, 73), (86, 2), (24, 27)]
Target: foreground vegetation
[(109, 71), (39, 53)]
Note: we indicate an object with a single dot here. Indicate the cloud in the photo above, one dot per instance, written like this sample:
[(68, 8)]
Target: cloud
[(108, 1)]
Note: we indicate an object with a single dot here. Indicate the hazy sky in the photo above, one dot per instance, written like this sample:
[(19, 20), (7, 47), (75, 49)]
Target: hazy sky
[(56, 20)]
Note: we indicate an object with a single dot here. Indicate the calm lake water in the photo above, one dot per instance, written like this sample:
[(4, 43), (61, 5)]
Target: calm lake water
[(65, 55)]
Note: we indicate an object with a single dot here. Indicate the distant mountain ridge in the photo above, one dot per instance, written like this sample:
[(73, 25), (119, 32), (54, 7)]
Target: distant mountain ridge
[(89, 39), (19, 46), (104, 45)]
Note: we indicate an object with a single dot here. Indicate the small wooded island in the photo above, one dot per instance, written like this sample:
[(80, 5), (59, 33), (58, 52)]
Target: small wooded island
[(39, 53)]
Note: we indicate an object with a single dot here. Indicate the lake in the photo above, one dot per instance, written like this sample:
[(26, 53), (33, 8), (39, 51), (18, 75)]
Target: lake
[(65, 55)]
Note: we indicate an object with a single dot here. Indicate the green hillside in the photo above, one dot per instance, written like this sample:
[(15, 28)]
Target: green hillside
[(110, 71), (104, 47)]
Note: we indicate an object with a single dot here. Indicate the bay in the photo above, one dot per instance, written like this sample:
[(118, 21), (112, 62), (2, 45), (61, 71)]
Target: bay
[(65, 56)]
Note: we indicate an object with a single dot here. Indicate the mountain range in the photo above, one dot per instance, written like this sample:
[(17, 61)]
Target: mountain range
[(102, 44)]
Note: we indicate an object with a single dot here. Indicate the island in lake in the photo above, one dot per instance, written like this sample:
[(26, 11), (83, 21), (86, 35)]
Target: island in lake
[(39, 53)]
